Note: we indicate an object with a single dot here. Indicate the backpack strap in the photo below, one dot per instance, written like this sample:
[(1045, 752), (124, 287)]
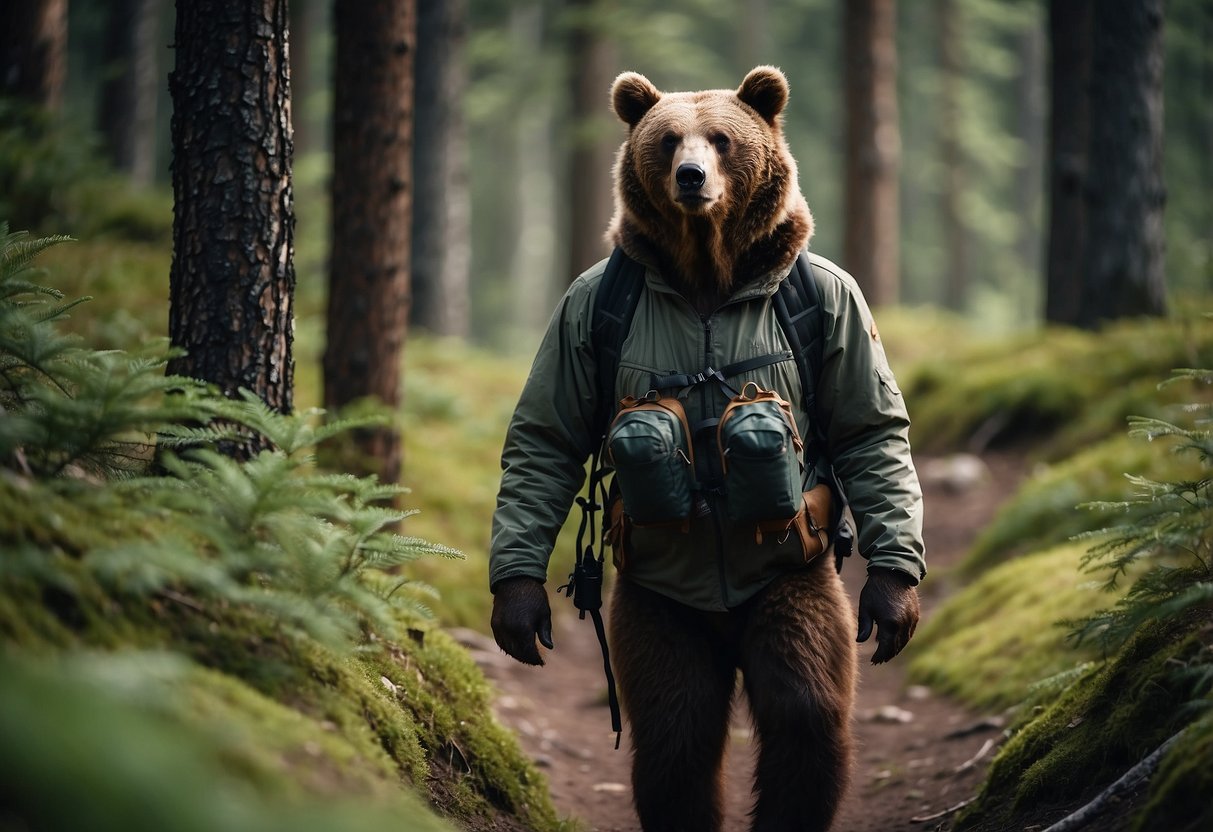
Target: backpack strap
[(611, 318), (801, 316), (614, 306)]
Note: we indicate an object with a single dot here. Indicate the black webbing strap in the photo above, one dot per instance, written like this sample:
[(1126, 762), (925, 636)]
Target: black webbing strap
[(585, 581), (686, 380), (614, 307)]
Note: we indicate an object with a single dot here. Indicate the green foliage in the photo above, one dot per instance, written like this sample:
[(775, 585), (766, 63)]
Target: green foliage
[(1042, 512), (1156, 557), (1055, 390), (51, 173), (1171, 537), (59, 718), (999, 625), (300, 662), (1090, 734)]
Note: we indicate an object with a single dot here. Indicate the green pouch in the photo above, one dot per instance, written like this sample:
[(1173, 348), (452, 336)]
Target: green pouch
[(647, 444), (760, 452)]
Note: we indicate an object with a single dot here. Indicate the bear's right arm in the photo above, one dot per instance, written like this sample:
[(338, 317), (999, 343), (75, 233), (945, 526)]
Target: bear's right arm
[(547, 444)]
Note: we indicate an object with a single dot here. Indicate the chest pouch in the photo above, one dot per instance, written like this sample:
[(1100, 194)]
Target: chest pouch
[(760, 451), (649, 446)]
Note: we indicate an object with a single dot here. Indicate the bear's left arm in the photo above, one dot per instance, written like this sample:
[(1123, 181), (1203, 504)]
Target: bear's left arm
[(547, 444), (867, 428)]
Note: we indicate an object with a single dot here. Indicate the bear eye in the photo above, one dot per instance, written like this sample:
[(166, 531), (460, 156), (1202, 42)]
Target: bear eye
[(722, 142), (669, 142)]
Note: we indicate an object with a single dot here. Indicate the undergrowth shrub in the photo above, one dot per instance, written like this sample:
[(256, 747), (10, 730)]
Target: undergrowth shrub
[(272, 584), (1157, 558)]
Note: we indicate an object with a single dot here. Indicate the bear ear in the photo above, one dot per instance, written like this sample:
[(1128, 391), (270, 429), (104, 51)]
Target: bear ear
[(632, 95), (766, 90)]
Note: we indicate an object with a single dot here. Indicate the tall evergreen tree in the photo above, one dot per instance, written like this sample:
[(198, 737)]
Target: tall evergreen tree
[(1123, 259), (232, 282), (441, 249), (33, 51), (1069, 131), (873, 148), (127, 111), (591, 61), (368, 304)]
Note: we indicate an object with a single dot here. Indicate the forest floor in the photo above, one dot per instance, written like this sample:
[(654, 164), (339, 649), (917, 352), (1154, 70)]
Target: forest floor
[(918, 754)]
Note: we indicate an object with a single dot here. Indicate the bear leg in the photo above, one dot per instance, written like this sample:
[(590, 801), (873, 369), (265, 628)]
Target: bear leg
[(799, 661), (676, 684)]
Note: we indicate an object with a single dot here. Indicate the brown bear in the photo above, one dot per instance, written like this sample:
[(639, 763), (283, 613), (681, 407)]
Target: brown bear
[(707, 199)]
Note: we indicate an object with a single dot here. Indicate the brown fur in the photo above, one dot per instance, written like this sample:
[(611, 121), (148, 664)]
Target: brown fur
[(793, 643), (757, 220), (676, 668)]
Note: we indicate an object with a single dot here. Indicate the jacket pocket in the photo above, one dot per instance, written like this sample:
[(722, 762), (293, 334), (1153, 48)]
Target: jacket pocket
[(648, 446), (760, 454)]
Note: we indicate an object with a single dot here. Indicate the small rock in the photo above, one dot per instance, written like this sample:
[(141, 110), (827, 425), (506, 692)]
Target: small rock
[(917, 693), (543, 760), (892, 714), (955, 473), (390, 685), (610, 788)]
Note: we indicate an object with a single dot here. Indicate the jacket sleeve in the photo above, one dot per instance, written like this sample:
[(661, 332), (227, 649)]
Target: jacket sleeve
[(867, 428), (547, 444)]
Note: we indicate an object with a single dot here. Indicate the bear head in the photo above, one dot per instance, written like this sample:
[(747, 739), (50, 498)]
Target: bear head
[(705, 186)]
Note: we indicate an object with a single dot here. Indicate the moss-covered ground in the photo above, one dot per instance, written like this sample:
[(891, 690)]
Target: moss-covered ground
[(279, 728)]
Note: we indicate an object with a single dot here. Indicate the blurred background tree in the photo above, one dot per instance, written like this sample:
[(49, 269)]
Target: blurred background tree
[(515, 139), (372, 199)]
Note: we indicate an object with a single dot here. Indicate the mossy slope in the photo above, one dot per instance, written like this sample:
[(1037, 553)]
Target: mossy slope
[(282, 729)]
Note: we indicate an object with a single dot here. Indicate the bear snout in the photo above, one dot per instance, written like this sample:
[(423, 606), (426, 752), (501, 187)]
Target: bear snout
[(690, 177)]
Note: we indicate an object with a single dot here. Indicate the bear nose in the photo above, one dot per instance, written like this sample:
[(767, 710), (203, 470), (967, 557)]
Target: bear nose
[(690, 176)]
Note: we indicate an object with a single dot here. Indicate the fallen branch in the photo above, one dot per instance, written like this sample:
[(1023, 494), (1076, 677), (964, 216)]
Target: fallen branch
[(1101, 802), (943, 813), (976, 758)]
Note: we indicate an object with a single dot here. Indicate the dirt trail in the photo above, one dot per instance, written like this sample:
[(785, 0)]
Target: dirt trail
[(916, 750)]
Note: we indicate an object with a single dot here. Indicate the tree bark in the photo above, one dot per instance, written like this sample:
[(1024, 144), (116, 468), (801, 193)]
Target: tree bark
[(372, 153), (232, 281), (127, 110), (592, 63), (1069, 134), (1123, 261), (441, 256), (873, 148), (33, 51)]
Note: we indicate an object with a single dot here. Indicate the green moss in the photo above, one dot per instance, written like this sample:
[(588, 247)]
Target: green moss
[(1045, 510), (290, 718), (1055, 389), (992, 640), (1178, 800), (1102, 725)]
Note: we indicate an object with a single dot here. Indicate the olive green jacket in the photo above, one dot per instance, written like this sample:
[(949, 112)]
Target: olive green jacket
[(709, 565)]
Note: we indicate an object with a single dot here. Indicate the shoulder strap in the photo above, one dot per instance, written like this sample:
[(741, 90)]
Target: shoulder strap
[(800, 314), (798, 308), (615, 304)]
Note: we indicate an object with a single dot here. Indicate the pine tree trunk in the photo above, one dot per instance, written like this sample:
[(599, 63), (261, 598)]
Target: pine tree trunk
[(591, 61), (441, 256), (1123, 274), (232, 281), (368, 302), (127, 111), (1069, 132), (951, 153), (33, 51), (873, 148), (1030, 115)]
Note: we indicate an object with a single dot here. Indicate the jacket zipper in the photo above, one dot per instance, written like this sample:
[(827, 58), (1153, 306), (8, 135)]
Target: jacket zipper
[(717, 520)]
